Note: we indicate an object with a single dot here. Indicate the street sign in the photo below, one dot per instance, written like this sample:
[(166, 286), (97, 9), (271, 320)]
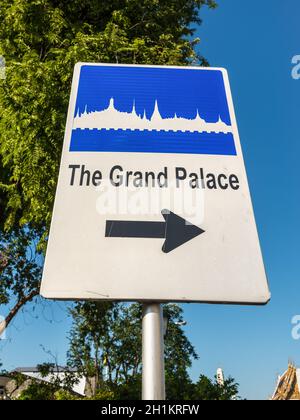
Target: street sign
[(152, 201)]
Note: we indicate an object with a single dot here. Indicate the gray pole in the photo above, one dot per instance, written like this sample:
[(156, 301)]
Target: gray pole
[(153, 353)]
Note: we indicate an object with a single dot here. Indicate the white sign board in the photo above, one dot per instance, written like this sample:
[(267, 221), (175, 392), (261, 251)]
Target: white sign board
[(152, 200)]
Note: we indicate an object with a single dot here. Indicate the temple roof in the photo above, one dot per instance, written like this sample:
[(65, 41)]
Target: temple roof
[(288, 387)]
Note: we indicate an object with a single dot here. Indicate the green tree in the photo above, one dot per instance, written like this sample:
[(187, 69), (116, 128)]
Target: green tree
[(205, 389), (179, 355), (20, 271), (37, 391), (211, 390), (41, 41), (106, 342), (54, 384), (89, 337)]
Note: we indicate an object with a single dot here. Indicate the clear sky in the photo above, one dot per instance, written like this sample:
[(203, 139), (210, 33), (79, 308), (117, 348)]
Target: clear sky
[(255, 41)]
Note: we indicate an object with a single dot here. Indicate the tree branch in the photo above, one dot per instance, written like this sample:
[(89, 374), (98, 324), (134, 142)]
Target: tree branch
[(15, 310)]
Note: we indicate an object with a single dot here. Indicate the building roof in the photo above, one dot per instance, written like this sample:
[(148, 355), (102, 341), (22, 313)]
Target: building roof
[(298, 378), (56, 369), (58, 372), (288, 386)]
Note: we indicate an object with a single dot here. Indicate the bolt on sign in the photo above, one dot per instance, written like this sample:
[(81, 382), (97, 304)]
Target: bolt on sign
[(152, 201)]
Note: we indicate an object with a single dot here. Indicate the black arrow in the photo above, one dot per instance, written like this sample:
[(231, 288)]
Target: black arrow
[(175, 230)]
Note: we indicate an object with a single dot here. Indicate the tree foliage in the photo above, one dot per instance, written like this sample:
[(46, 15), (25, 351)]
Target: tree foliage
[(105, 348), (210, 390), (41, 41), (20, 265), (20, 270), (106, 343), (205, 389)]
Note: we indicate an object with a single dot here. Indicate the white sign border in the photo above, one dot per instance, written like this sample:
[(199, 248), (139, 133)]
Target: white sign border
[(45, 292)]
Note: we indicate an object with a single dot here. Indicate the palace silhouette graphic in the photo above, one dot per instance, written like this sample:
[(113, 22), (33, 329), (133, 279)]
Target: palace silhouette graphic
[(113, 119)]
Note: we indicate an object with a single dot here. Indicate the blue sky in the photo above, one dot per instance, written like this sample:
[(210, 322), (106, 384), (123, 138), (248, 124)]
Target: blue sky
[(255, 41)]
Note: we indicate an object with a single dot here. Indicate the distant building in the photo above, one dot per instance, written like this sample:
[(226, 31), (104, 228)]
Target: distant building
[(220, 377), (11, 387), (288, 386)]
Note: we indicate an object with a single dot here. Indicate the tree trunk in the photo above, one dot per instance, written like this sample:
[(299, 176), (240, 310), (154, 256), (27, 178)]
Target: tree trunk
[(15, 310)]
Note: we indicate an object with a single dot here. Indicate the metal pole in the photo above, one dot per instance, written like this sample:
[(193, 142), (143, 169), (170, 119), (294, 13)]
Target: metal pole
[(153, 353)]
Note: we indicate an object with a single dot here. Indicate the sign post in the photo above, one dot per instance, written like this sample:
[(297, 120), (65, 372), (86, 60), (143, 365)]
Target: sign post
[(153, 353), (153, 203)]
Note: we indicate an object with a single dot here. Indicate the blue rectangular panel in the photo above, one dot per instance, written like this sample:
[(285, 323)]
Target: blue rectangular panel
[(152, 110)]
